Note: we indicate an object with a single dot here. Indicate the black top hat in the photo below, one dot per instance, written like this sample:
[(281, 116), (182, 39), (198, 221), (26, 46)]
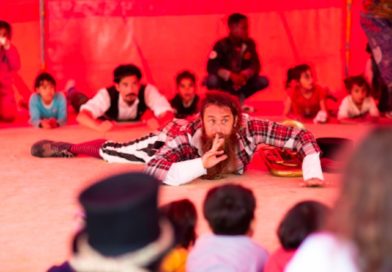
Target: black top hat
[(332, 152), (122, 221)]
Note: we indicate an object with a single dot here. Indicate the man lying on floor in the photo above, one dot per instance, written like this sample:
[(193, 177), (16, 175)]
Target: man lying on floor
[(222, 141)]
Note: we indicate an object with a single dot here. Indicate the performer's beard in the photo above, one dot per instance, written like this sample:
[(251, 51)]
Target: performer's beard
[(230, 149)]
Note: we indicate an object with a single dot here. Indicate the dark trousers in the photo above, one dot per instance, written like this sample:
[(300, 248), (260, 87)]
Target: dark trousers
[(253, 85), (76, 98)]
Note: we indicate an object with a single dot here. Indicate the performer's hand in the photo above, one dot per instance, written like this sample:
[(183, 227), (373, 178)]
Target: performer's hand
[(105, 126), (214, 155), (313, 182)]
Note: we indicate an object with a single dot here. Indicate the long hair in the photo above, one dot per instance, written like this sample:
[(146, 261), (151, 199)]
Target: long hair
[(363, 212)]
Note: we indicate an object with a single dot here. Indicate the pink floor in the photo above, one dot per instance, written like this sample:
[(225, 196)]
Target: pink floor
[(39, 209)]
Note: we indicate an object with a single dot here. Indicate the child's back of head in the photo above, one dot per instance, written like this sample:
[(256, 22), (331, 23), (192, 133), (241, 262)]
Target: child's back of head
[(182, 214), (229, 209), (301, 220)]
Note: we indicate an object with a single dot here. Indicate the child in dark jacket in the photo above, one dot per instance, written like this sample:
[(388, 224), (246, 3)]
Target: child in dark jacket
[(186, 101)]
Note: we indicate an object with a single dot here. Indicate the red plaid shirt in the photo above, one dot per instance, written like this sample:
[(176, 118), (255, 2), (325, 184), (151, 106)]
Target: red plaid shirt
[(183, 142)]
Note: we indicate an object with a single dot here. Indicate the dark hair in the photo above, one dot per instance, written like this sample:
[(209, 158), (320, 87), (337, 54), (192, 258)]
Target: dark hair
[(300, 221), (360, 81), (229, 209), (126, 70), (182, 214), (363, 211), (295, 73), (368, 49), (44, 77), (223, 99), (185, 74), (235, 18), (5, 25)]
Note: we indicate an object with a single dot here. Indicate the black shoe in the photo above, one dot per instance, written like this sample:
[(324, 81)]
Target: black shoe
[(47, 148)]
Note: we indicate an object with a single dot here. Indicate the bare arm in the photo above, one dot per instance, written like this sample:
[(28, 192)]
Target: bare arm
[(323, 107)]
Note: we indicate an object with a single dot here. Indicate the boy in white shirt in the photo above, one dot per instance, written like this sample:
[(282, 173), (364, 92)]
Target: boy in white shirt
[(358, 105)]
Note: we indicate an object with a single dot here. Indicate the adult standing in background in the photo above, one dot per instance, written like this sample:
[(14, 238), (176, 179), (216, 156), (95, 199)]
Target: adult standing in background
[(9, 64)]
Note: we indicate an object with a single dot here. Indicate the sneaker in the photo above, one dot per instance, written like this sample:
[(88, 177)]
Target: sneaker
[(47, 148)]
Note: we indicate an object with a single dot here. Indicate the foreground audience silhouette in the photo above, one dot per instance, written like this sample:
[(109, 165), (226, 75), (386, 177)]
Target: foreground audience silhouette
[(229, 210), (301, 220), (359, 236), (182, 214), (123, 230)]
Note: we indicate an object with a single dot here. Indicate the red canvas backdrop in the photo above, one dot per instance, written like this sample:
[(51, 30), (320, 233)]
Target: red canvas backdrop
[(85, 40), (24, 19)]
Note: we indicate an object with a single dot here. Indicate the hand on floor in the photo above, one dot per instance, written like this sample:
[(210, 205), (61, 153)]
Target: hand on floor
[(313, 182)]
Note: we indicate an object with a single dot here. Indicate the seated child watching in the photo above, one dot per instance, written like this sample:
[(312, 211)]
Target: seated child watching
[(306, 100), (186, 101), (182, 214), (301, 220), (48, 108), (229, 210), (358, 105)]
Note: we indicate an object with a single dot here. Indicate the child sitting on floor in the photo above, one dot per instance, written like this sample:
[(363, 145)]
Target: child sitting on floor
[(301, 220), (183, 216), (48, 108), (229, 210), (306, 100), (358, 105), (186, 101)]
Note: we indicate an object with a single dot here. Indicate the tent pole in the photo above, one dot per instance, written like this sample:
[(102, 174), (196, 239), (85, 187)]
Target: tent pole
[(348, 36), (42, 33)]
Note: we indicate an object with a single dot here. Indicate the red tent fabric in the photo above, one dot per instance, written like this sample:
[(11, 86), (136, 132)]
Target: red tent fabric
[(85, 40)]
